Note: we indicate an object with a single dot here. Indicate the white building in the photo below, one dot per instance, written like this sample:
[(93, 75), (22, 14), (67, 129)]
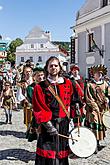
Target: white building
[(38, 48), (3, 49), (93, 17)]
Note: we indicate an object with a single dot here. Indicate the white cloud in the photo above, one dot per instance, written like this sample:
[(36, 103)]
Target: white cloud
[(1, 7), (8, 39)]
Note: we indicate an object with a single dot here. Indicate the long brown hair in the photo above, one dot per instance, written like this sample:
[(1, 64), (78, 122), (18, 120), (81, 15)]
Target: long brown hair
[(47, 63)]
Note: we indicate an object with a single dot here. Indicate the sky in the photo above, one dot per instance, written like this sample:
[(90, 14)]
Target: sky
[(19, 17)]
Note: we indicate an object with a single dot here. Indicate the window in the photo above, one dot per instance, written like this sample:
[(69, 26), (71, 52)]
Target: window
[(22, 59), (32, 45), (39, 59), (90, 42), (31, 59), (104, 3), (41, 45)]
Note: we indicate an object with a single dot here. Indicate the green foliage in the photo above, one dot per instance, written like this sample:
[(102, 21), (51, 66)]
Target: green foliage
[(12, 49), (64, 45), (14, 44), (11, 57)]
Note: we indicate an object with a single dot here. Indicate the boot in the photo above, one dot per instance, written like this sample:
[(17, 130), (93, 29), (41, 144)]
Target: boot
[(98, 145), (10, 116), (6, 119), (97, 149)]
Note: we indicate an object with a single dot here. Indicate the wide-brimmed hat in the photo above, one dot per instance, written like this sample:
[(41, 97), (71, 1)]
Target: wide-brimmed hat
[(98, 68)]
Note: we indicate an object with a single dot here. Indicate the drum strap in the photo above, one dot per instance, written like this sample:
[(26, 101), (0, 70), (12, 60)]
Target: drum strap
[(59, 100), (63, 107)]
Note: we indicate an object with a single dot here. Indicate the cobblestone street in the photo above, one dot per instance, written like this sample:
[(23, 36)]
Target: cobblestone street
[(15, 150)]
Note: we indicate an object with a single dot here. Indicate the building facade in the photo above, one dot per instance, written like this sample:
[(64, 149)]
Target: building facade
[(92, 35), (38, 48), (3, 49)]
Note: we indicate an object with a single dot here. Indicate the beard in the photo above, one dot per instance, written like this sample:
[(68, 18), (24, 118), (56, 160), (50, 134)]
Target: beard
[(54, 73)]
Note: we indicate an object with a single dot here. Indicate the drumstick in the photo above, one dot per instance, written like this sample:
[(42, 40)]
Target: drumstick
[(78, 127), (78, 113), (67, 137)]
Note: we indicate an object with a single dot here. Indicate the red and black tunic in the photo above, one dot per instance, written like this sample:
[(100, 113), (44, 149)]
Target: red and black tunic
[(78, 97), (46, 108)]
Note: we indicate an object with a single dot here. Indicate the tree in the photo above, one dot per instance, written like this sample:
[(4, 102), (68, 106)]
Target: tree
[(11, 56), (63, 45)]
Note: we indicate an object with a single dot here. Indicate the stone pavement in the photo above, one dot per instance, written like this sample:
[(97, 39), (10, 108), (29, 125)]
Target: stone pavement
[(101, 158), (15, 150)]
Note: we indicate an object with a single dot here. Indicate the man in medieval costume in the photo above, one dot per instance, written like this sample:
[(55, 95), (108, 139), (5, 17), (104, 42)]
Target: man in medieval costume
[(38, 76), (75, 73), (51, 148), (78, 96), (96, 101)]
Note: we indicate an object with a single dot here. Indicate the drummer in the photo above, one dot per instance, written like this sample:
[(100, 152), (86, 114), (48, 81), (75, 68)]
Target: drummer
[(96, 101), (78, 86), (52, 149)]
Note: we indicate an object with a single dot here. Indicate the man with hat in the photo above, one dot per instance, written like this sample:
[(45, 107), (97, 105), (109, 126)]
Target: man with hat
[(78, 86), (75, 74), (96, 101)]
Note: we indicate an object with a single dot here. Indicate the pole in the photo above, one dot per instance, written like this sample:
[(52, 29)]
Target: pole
[(57, 146)]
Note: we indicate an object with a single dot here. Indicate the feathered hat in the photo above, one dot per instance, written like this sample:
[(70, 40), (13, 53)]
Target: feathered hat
[(98, 68)]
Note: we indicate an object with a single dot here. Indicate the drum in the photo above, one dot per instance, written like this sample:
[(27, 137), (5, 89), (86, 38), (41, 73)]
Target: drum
[(85, 142), (106, 119)]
